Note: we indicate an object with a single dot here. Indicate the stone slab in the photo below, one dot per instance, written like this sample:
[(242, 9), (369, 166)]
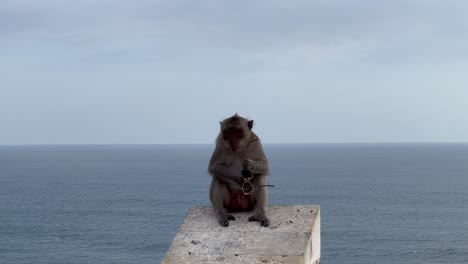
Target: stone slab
[(292, 237)]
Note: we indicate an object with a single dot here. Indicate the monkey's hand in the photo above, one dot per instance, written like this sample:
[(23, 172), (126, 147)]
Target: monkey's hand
[(246, 174), (248, 164)]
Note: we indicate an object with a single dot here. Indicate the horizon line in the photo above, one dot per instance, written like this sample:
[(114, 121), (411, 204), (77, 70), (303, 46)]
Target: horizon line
[(264, 143)]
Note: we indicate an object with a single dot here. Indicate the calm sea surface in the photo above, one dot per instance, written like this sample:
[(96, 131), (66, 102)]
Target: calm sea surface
[(380, 203)]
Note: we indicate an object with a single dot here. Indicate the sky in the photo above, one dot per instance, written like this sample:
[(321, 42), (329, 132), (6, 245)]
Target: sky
[(167, 71)]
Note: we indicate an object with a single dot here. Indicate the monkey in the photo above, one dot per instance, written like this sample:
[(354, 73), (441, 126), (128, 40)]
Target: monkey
[(238, 154)]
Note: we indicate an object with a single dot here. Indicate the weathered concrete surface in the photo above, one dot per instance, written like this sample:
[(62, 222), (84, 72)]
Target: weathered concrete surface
[(292, 237)]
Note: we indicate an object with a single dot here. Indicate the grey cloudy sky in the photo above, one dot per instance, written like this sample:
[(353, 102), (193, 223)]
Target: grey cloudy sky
[(108, 71)]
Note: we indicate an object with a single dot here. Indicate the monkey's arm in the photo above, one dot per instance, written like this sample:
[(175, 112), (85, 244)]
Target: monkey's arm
[(259, 166), (218, 170), (221, 172), (256, 160)]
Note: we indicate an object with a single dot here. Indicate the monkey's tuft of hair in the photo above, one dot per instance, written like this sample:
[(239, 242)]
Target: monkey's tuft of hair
[(233, 119)]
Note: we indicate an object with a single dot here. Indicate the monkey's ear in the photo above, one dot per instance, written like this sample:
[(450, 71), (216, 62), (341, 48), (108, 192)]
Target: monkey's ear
[(220, 123), (250, 124)]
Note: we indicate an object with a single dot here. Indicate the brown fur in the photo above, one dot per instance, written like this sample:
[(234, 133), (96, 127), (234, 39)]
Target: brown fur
[(238, 148)]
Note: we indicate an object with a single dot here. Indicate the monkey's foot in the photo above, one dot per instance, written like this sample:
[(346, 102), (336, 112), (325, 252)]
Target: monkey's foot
[(224, 220), (260, 218)]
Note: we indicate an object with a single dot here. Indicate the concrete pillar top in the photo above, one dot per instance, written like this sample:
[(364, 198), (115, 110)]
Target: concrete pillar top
[(292, 237)]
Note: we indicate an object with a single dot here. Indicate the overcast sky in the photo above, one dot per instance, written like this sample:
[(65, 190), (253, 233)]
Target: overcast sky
[(109, 71)]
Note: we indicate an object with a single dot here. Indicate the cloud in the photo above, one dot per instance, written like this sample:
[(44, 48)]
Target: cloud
[(203, 29), (113, 59)]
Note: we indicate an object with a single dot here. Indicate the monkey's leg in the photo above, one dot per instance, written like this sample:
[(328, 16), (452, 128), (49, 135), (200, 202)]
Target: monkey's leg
[(261, 196), (219, 194)]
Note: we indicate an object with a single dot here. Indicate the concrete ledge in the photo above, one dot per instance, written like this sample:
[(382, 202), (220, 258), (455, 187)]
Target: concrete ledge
[(292, 237)]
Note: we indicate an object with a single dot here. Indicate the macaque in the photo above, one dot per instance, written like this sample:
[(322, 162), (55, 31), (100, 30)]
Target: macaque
[(239, 168)]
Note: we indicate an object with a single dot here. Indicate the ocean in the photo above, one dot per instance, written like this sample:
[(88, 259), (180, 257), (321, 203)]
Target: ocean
[(380, 203)]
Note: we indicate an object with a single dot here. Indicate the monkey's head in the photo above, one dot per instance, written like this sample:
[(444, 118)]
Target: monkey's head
[(235, 132)]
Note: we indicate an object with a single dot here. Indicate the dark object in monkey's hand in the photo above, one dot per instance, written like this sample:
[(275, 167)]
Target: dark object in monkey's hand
[(246, 174)]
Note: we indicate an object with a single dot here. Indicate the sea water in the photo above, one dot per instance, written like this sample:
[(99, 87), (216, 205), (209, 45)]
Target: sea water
[(380, 203)]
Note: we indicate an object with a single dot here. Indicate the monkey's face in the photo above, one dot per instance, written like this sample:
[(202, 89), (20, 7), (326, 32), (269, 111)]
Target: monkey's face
[(234, 138), (235, 132)]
